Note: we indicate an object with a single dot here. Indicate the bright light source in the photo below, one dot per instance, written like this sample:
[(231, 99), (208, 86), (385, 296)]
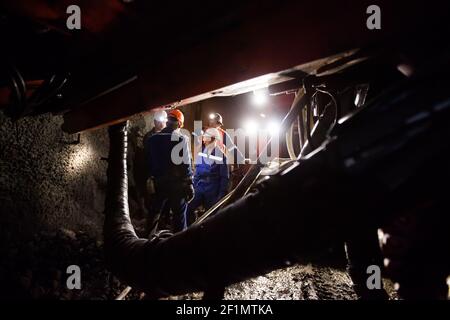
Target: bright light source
[(161, 119), (212, 116), (262, 115), (251, 126), (274, 128), (160, 116), (260, 97), (383, 237)]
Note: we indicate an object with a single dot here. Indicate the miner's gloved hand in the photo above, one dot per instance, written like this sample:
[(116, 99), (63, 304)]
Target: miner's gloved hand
[(189, 192)]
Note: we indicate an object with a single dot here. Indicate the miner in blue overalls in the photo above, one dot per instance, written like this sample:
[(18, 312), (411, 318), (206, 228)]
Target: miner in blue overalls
[(211, 173)]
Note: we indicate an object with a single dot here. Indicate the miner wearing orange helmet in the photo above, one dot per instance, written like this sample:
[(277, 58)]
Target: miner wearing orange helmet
[(169, 164)]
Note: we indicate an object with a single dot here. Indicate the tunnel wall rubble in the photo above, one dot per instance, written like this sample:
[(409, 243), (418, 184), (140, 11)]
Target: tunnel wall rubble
[(52, 193), (48, 179)]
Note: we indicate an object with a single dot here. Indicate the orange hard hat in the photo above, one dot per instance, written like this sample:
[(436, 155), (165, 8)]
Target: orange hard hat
[(177, 115)]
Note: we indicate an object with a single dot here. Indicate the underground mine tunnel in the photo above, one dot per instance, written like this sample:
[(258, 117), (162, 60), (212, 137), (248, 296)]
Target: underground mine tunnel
[(239, 151)]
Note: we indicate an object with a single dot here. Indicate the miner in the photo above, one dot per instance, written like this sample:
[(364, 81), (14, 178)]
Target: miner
[(159, 121), (171, 171)]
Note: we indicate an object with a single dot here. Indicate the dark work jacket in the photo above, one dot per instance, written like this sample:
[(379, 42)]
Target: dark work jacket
[(159, 150), (146, 151)]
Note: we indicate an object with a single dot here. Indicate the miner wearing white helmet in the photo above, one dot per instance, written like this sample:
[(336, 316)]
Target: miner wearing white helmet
[(159, 121)]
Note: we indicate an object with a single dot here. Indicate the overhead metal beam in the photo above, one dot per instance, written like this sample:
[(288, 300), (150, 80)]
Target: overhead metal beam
[(270, 43)]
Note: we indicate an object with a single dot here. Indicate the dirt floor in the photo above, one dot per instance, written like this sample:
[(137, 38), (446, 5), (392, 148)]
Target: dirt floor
[(299, 282), (296, 283)]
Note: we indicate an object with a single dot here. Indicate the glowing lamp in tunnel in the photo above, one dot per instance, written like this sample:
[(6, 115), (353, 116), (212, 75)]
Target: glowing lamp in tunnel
[(160, 116), (251, 126), (274, 128), (260, 97), (161, 119)]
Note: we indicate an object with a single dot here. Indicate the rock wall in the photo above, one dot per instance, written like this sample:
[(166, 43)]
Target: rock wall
[(52, 194), (48, 179)]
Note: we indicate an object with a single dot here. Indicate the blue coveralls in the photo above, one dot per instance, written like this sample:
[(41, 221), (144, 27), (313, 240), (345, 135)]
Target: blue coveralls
[(170, 178), (210, 180)]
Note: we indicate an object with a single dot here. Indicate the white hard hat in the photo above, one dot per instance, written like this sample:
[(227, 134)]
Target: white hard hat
[(216, 116), (160, 115)]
